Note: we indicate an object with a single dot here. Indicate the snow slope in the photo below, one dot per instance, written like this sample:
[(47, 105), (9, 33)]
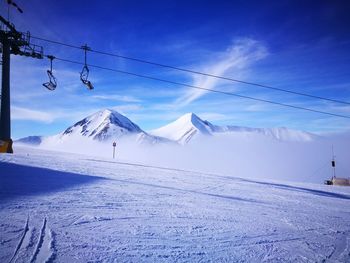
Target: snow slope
[(76, 208), (189, 126)]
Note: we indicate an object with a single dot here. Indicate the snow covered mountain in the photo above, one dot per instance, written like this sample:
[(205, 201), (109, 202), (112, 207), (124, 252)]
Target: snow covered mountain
[(189, 126), (31, 140), (184, 128), (280, 133), (107, 125), (103, 125)]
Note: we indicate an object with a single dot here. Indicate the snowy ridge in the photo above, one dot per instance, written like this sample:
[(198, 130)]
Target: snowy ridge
[(185, 128), (148, 139), (281, 133)]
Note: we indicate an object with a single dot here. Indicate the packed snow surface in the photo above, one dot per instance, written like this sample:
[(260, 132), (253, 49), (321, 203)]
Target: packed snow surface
[(76, 208)]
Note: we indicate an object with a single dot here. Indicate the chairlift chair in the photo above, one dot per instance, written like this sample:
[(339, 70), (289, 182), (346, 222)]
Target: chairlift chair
[(84, 74), (52, 83)]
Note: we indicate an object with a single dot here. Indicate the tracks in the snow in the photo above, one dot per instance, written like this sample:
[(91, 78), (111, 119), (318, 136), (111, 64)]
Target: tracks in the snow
[(44, 250), (341, 248), (24, 233)]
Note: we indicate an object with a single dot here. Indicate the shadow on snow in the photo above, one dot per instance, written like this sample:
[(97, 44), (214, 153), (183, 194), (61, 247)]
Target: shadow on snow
[(276, 185), (301, 189), (171, 187), (20, 180)]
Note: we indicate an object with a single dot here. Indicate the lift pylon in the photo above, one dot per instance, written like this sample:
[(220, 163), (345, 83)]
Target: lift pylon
[(16, 43)]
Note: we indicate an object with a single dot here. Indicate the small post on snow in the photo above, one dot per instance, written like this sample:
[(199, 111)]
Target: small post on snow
[(333, 162), (114, 145)]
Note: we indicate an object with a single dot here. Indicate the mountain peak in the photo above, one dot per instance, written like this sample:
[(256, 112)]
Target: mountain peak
[(189, 118), (103, 125), (184, 128), (107, 113)]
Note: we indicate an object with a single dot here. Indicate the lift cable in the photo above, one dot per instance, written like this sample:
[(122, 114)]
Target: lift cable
[(196, 72), (206, 89)]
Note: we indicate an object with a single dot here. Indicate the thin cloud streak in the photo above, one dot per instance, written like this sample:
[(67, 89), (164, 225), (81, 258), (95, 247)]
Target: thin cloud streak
[(19, 113), (238, 57), (116, 97)]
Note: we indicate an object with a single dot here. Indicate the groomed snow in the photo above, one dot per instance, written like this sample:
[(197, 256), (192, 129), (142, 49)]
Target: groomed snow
[(76, 208)]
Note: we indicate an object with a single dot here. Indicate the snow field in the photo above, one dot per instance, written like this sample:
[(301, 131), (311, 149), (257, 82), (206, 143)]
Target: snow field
[(75, 208)]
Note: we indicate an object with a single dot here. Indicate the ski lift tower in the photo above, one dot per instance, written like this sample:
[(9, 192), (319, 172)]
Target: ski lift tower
[(16, 43)]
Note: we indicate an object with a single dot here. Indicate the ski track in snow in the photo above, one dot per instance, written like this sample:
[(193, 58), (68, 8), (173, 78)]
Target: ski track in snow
[(43, 251), (25, 231), (340, 246), (32, 248), (106, 211)]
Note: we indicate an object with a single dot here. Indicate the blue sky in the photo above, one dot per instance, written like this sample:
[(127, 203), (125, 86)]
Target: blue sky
[(302, 46)]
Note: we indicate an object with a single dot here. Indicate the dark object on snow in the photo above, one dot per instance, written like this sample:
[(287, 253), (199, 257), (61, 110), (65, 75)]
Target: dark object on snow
[(338, 181)]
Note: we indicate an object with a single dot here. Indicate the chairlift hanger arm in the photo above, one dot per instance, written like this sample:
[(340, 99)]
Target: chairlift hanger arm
[(51, 58), (85, 48)]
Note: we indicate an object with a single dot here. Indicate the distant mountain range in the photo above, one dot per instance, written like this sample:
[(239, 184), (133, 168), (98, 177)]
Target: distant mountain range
[(188, 126), (108, 125)]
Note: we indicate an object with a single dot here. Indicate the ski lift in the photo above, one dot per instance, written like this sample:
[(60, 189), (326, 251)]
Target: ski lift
[(84, 74), (52, 83), (10, 2)]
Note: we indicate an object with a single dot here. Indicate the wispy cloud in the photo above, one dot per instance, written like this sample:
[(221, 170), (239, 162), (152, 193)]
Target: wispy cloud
[(19, 113), (241, 54), (127, 108), (116, 97), (340, 108), (49, 116)]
